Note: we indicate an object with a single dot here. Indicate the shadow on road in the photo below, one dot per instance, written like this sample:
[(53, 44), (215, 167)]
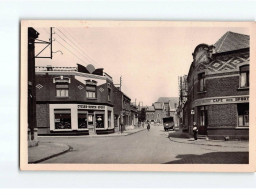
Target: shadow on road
[(213, 158)]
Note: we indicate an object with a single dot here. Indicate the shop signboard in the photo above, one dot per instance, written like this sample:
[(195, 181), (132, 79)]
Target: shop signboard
[(221, 100), (90, 107)]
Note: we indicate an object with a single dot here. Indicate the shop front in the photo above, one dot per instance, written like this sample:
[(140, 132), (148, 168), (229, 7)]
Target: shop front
[(222, 116), (94, 119)]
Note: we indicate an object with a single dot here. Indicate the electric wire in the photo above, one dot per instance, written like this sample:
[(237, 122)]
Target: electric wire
[(69, 44), (69, 50), (77, 45)]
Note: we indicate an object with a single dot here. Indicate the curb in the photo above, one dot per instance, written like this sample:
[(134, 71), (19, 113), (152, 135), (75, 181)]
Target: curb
[(194, 143), (95, 136), (51, 156)]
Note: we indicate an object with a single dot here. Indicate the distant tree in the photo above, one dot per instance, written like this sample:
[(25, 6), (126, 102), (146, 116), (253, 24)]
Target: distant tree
[(142, 115)]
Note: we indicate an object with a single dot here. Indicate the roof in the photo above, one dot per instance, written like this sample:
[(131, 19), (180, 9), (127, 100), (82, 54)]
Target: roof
[(231, 41), (172, 100), (150, 108), (159, 105)]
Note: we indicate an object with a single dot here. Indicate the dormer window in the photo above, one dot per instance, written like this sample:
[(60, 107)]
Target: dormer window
[(62, 86), (244, 76), (91, 91), (62, 89)]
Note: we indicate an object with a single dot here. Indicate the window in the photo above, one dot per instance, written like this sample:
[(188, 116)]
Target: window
[(109, 94), (243, 115), (61, 89), (244, 76), (201, 82), (82, 119), (62, 119), (99, 120), (90, 91), (109, 118)]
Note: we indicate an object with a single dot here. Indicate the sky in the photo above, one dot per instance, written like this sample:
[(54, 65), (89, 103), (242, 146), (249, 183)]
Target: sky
[(148, 58)]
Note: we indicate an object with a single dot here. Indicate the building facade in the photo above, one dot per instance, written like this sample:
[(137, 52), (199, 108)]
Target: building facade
[(218, 88), (150, 114), (183, 94), (74, 100), (125, 113), (134, 115), (170, 106)]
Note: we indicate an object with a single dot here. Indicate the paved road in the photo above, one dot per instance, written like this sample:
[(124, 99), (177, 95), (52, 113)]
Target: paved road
[(145, 147)]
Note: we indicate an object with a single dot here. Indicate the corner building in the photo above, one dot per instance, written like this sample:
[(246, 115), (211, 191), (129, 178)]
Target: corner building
[(218, 88), (74, 100)]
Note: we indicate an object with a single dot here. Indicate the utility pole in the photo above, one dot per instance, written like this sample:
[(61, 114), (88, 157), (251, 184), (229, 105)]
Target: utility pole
[(51, 42), (120, 83), (47, 44), (32, 36)]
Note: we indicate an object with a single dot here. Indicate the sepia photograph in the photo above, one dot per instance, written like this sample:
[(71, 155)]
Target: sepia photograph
[(135, 95)]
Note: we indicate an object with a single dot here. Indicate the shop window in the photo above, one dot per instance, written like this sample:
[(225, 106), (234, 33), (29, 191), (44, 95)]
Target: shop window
[(99, 120), (109, 118), (62, 119), (82, 119), (243, 115), (62, 89), (244, 76), (201, 82), (90, 91)]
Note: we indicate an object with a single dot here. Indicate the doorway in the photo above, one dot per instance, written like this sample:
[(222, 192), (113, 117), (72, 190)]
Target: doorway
[(203, 120), (91, 126)]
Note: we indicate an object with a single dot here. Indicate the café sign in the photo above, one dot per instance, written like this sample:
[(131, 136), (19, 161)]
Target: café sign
[(90, 107), (221, 100)]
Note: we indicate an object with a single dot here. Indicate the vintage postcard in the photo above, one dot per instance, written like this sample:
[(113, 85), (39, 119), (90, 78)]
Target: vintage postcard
[(137, 96)]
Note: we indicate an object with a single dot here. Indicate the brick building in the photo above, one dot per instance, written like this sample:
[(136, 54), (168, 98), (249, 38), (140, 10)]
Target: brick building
[(125, 112), (170, 106), (150, 113), (218, 88), (164, 107), (74, 100)]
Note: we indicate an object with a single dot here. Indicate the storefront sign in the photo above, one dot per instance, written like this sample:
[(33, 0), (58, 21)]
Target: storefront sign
[(221, 100), (91, 107)]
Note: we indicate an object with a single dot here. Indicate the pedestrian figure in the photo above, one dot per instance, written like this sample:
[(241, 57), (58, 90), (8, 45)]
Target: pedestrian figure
[(148, 126), (195, 130), (121, 127)]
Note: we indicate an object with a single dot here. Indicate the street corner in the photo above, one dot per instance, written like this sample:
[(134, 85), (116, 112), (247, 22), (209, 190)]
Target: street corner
[(205, 141), (46, 150)]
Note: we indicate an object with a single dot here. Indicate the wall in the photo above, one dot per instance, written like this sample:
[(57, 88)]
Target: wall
[(218, 117), (161, 113), (48, 90)]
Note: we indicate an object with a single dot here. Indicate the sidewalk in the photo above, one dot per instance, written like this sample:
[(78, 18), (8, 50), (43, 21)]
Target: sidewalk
[(186, 138), (46, 150), (116, 134), (125, 133)]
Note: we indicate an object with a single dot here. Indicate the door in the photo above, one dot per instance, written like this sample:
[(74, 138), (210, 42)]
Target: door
[(202, 129), (91, 124)]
